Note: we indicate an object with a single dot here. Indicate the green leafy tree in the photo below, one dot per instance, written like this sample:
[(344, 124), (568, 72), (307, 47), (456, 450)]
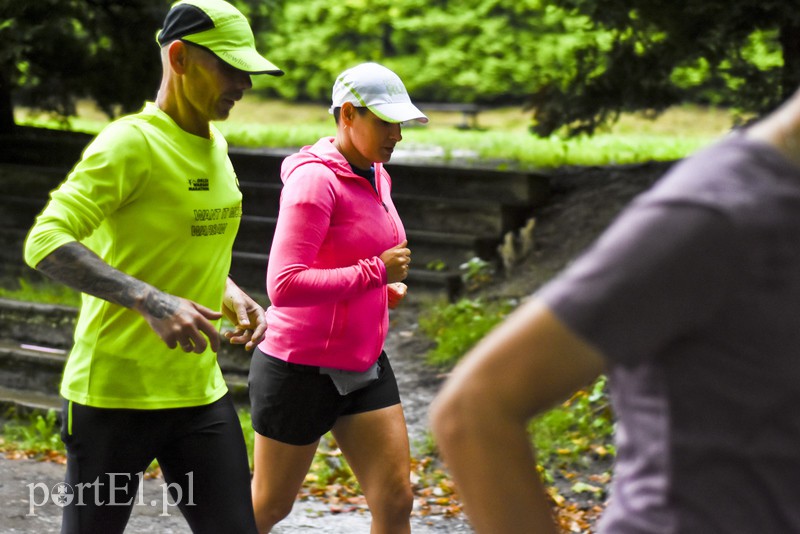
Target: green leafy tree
[(652, 54), (314, 40), (54, 52), (485, 51)]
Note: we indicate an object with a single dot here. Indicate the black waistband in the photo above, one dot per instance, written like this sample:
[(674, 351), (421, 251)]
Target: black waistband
[(299, 367)]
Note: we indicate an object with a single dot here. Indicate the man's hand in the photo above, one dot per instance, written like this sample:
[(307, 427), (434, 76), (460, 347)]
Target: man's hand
[(177, 321), (181, 322), (248, 318)]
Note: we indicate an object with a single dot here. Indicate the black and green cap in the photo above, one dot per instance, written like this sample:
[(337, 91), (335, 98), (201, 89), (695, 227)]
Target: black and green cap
[(221, 29)]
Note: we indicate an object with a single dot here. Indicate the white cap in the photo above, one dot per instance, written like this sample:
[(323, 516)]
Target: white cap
[(375, 87)]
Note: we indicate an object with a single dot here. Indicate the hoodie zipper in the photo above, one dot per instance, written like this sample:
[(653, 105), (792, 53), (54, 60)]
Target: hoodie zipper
[(378, 188)]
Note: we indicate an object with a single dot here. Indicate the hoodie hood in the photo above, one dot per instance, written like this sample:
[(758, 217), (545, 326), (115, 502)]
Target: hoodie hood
[(324, 152)]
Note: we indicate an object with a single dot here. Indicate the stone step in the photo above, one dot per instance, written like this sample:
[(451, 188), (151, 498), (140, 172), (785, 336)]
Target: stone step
[(11, 242), (441, 206), (31, 367), (31, 181), (452, 248), (255, 234), (263, 166), (255, 237), (52, 326), (31, 375), (417, 210), (53, 150), (24, 402), (48, 325), (26, 190), (504, 187), (260, 198), (260, 165), (449, 249), (459, 215), (20, 211)]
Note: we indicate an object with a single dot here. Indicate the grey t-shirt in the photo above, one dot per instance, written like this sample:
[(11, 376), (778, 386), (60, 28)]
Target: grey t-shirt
[(693, 296)]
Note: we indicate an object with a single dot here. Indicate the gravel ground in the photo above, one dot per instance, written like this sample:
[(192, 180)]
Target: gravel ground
[(25, 486)]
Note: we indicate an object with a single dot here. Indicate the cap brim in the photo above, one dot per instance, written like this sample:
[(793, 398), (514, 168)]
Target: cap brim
[(248, 60), (399, 112)]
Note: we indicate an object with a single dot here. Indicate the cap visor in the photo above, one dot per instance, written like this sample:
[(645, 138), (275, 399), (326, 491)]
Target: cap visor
[(250, 61), (399, 112)]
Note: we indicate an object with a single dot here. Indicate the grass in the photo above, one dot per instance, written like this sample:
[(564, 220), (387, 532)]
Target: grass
[(37, 434), (567, 436), (456, 327), (502, 142), (44, 291), (580, 427)]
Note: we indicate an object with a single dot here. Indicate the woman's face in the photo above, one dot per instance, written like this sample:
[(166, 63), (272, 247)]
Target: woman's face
[(372, 138)]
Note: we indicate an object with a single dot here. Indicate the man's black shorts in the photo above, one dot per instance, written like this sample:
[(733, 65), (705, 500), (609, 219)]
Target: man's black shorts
[(295, 404)]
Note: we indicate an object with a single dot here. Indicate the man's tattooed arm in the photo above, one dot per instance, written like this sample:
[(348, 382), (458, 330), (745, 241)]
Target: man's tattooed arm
[(78, 267)]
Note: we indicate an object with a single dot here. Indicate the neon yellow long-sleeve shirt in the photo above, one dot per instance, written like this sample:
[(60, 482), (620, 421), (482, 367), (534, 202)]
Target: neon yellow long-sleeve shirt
[(163, 206)]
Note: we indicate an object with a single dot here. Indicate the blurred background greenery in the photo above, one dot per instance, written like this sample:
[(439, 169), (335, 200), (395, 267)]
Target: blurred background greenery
[(541, 68)]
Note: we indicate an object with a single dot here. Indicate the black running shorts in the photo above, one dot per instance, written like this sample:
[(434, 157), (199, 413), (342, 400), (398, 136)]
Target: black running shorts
[(295, 404)]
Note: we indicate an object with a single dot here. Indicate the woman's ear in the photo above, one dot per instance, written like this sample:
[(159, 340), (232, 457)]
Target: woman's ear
[(347, 113)]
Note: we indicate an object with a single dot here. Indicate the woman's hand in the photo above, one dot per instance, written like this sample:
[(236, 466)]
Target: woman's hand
[(396, 292), (396, 260)]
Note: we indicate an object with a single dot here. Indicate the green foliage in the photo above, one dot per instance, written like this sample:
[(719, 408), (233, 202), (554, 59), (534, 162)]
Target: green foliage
[(56, 51), (656, 54), (578, 429), (488, 51), (569, 435), (249, 434), (505, 148), (34, 434), (42, 290), (577, 63), (456, 327), (475, 273), (329, 467), (436, 265)]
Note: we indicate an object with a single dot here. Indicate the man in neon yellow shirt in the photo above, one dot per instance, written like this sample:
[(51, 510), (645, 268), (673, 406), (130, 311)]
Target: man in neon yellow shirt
[(144, 226)]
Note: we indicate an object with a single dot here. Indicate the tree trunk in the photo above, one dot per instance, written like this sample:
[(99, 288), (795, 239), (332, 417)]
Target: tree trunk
[(790, 43), (6, 107)]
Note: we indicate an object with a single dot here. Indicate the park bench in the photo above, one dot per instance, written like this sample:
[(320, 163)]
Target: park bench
[(469, 112)]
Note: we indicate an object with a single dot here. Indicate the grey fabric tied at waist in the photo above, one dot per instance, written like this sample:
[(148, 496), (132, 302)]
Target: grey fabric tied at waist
[(349, 381)]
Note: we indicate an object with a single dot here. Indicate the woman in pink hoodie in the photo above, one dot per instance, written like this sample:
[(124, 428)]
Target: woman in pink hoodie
[(337, 262)]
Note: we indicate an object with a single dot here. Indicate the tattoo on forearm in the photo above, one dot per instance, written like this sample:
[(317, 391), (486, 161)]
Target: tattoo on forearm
[(160, 305), (77, 266)]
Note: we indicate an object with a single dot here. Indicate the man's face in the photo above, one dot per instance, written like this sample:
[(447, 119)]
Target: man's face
[(212, 86)]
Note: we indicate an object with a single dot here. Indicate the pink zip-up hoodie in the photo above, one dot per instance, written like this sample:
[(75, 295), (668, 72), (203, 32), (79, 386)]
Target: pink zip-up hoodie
[(325, 280)]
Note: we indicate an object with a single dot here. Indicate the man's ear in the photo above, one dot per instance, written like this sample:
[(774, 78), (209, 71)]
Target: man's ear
[(178, 52)]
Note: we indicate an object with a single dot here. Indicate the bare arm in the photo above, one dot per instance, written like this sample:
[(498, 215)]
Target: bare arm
[(522, 368), (176, 320)]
